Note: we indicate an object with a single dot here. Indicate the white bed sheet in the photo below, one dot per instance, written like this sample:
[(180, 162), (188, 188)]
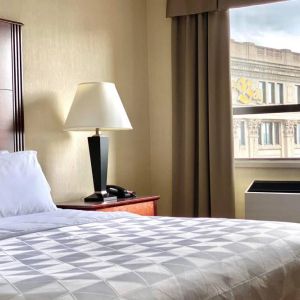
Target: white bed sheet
[(68, 255)]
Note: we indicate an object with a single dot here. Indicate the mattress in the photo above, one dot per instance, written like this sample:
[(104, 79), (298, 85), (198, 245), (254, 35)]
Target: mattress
[(70, 254)]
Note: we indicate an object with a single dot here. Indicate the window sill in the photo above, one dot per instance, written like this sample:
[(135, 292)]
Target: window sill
[(269, 147), (267, 163)]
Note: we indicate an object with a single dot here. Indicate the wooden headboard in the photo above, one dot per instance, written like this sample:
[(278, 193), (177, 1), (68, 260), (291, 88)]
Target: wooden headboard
[(11, 88)]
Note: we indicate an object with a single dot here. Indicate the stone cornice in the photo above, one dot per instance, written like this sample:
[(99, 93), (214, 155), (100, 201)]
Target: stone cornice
[(264, 70)]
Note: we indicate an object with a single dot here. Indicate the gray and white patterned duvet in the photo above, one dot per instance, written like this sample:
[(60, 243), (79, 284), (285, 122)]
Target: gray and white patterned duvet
[(75, 255)]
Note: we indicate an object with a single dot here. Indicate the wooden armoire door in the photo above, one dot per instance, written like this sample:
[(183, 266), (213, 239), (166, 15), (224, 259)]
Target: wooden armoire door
[(11, 95)]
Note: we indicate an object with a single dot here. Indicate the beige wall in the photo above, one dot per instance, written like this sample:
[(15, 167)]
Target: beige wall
[(160, 102), (70, 41)]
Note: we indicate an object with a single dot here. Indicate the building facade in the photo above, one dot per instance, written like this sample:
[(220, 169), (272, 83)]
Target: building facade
[(265, 76)]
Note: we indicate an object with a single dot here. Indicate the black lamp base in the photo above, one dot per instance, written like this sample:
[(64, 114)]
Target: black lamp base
[(98, 146), (97, 197)]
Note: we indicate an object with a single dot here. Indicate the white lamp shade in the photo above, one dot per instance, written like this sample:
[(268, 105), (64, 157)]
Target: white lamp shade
[(97, 105)]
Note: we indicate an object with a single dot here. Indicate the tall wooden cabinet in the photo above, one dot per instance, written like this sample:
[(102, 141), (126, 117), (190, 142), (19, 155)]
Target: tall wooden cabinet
[(11, 95)]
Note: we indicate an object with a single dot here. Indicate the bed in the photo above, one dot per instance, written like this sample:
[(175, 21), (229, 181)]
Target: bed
[(68, 254)]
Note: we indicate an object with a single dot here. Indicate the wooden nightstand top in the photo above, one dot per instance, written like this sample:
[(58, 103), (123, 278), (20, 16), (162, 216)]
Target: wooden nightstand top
[(80, 204)]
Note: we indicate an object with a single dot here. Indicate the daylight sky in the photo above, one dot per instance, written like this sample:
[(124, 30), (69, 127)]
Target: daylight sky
[(274, 25)]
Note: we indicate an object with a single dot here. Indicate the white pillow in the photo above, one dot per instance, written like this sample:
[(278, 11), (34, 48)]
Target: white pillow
[(3, 152), (23, 186)]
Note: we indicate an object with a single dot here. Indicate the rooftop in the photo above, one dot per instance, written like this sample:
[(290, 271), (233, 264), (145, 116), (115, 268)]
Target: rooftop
[(251, 51)]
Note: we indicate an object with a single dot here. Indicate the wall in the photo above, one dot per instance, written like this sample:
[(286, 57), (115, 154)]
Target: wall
[(160, 102), (70, 41)]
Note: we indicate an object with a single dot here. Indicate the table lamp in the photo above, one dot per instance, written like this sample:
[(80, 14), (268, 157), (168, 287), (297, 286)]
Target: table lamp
[(97, 106)]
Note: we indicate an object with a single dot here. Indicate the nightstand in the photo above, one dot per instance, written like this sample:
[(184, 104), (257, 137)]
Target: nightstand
[(145, 206)]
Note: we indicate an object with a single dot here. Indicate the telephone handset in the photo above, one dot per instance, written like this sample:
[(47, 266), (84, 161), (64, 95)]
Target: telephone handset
[(119, 192)]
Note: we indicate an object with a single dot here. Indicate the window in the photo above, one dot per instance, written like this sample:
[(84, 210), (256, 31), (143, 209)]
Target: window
[(265, 59), (265, 134), (279, 93), (274, 93), (276, 133), (297, 134), (263, 90), (298, 93), (242, 138), (271, 93), (269, 133)]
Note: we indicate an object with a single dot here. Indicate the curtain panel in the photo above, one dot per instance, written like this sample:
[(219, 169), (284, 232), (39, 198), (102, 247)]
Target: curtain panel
[(202, 125), (190, 7), (202, 110)]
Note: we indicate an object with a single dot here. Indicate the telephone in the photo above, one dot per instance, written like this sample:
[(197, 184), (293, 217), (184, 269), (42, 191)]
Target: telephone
[(119, 192)]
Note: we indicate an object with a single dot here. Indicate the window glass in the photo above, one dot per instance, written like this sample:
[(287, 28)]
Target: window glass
[(266, 133), (277, 133), (297, 134), (298, 93), (242, 134), (271, 93), (265, 73), (279, 93), (263, 92)]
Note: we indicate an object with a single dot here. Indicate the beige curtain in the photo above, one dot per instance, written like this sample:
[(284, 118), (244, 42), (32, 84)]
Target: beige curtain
[(202, 139), (202, 114), (189, 7)]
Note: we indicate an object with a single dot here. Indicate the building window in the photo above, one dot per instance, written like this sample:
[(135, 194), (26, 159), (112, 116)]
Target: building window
[(271, 93), (297, 134), (279, 93), (263, 89), (298, 93), (276, 132), (269, 133), (267, 102), (242, 134)]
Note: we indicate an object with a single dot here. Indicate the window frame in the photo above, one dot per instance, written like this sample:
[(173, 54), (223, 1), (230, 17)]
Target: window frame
[(265, 109), (273, 128), (297, 135)]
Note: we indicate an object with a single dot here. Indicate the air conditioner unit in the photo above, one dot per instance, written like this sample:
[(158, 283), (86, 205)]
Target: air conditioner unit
[(273, 201)]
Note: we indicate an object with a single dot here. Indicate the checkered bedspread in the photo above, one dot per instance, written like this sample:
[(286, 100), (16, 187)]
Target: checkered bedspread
[(154, 258)]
